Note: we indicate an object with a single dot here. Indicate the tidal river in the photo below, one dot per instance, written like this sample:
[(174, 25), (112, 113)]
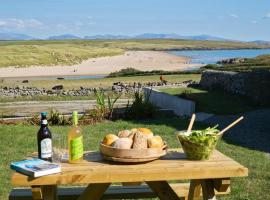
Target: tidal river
[(212, 56)]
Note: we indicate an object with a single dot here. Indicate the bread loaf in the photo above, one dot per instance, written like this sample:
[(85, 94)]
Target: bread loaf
[(139, 141), (122, 143), (109, 139), (147, 132), (155, 142), (124, 133)]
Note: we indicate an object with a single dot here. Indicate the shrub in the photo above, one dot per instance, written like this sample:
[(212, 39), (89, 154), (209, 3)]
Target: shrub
[(141, 107), (103, 111)]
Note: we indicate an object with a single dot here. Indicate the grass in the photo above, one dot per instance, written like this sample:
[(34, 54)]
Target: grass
[(51, 54), (250, 64), (213, 101), (48, 52), (97, 82), (18, 141)]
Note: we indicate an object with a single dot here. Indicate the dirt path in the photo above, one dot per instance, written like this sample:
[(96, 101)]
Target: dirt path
[(29, 108)]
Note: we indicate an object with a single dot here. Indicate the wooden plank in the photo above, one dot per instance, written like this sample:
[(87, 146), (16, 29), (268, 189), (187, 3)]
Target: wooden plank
[(113, 192), (173, 166), (163, 190), (194, 190), (37, 193), (94, 191), (222, 184), (49, 192), (208, 190)]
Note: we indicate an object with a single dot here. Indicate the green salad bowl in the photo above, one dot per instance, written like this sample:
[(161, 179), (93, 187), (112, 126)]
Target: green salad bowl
[(200, 149)]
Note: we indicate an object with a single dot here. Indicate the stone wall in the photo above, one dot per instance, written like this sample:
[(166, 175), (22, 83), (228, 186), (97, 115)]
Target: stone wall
[(255, 85), (59, 90)]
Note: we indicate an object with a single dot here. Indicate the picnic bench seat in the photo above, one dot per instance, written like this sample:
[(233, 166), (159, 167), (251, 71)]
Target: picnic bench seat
[(113, 192)]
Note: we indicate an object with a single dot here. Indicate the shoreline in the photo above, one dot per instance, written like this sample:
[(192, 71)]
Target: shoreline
[(102, 66)]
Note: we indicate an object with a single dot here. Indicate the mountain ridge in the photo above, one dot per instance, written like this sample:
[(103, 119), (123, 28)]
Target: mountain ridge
[(203, 37)]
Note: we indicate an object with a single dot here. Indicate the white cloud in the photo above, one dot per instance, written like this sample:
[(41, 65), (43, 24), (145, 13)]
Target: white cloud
[(78, 23), (61, 26), (267, 15), (254, 21), (15, 23), (234, 15)]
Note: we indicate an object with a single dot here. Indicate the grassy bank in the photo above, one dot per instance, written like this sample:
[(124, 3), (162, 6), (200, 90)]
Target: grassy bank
[(99, 82), (213, 101), (249, 64), (50, 52), (18, 141)]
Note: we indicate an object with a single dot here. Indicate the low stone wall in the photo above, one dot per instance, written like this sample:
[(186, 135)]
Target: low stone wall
[(59, 90), (254, 85), (180, 107)]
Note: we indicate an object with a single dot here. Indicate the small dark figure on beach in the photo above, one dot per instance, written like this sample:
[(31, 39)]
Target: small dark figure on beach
[(163, 81)]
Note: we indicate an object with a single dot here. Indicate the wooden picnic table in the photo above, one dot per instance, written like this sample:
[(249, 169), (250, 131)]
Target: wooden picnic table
[(206, 176)]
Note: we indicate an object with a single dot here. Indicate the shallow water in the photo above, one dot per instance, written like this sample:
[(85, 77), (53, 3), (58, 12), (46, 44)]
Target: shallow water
[(212, 56)]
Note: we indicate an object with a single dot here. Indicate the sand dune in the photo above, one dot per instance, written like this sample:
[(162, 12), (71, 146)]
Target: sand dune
[(141, 60)]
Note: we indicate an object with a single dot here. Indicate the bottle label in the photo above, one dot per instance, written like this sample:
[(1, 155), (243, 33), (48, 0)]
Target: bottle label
[(46, 148), (44, 121), (76, 148)]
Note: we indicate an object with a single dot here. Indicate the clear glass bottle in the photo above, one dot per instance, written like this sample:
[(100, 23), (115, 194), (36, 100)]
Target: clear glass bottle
[(75, 141)]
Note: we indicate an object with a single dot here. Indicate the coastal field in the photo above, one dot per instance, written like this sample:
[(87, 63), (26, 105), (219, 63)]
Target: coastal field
[(51, 52), (91, 57)]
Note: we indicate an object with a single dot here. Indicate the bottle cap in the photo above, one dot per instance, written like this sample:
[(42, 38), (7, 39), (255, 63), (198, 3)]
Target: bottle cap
[(75, 118), (43, 114)]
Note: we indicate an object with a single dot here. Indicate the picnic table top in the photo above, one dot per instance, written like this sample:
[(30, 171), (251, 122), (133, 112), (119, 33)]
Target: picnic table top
[(173, 166)]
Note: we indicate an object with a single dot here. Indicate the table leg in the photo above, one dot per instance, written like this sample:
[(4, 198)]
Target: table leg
[(44, 192), (163, 190), (94, 191), (194, 190), (208, 190)]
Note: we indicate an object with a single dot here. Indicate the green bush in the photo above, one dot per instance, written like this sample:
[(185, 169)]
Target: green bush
[(141, 107)]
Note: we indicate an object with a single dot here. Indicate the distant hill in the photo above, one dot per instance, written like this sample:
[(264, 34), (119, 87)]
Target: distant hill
[(261, 42), (64, 37), (176, 36), (15, 36), (106, 36)]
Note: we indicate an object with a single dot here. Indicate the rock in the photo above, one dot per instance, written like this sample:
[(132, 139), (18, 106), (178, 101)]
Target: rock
[(25, 81), (58, 87)]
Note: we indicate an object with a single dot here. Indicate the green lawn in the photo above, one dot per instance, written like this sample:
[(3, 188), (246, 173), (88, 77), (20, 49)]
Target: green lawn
[(18, 141), (214, 101), (48, 52)]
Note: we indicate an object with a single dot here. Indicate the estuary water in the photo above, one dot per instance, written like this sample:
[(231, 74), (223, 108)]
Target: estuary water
[(212, 56)]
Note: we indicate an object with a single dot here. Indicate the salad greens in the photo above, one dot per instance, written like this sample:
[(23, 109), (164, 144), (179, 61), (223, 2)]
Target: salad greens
[(203, 137), (199, 144)]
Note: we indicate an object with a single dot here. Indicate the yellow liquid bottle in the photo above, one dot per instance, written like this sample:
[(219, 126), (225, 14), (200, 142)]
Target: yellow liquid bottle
[(75, 141)]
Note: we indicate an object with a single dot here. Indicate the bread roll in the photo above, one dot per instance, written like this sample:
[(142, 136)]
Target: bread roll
[(147, 132), (122, 143), (109, 139), (155, 142), (139, 141), (124, 133)]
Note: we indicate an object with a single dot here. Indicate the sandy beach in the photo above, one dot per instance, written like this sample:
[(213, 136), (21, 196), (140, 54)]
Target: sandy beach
[(141, 60)]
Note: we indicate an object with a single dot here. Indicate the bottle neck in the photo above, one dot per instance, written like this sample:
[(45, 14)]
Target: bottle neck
[(44, 123)]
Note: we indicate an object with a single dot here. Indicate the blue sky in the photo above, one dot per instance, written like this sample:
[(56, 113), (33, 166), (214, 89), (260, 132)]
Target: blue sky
[(234, 19)]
